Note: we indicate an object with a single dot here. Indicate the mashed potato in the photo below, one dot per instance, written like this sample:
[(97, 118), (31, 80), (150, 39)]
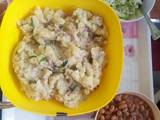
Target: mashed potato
[(60, 56)]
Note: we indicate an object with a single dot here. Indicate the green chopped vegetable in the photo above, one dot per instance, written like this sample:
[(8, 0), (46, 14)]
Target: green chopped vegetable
[(73, 86), (32, 82), (42, 59), (32, 56), (34, 22), (126, 9), (64, 63)]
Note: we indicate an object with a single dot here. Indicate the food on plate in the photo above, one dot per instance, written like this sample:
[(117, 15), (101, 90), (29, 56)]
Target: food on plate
[(126, 9), (126, 107), (60, 55)]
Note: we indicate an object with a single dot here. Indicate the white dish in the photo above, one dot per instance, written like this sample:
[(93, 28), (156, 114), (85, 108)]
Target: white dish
[(148, 5)]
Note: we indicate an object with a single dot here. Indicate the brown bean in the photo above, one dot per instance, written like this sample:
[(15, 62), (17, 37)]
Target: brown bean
[(111, 108), (141, 102), (145, 106), (107, 107), (147, 113), (129, 104), (136, 100), (114, 117), (130, 118), (115, 110), (142, 108), (107, 113), (132, 108), (126, 112), (102, 111), (119, 113), (107, 117), (136, 107), (133, 114), (118, 98), (150, 118), (140, 117), (125, 96), (120, 118), (102, 117), (122, 106), (123, 102)]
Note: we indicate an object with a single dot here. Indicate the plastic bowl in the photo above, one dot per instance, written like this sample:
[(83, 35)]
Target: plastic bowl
[(154, 108), (10, 35)]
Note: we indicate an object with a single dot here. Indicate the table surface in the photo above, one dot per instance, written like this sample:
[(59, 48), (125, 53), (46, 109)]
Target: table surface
[(155, 13)]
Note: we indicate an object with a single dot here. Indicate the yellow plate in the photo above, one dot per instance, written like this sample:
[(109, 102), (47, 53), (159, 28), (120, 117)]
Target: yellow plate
[(10, 35)]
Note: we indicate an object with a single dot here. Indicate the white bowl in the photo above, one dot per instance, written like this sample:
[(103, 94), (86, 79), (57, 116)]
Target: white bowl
[(148, 5), (155, 110)]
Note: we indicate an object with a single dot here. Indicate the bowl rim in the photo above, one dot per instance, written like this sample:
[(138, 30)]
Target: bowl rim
[(142, 96)]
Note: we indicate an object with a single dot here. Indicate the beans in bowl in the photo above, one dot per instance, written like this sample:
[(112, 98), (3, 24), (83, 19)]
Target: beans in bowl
[(126, 107)]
